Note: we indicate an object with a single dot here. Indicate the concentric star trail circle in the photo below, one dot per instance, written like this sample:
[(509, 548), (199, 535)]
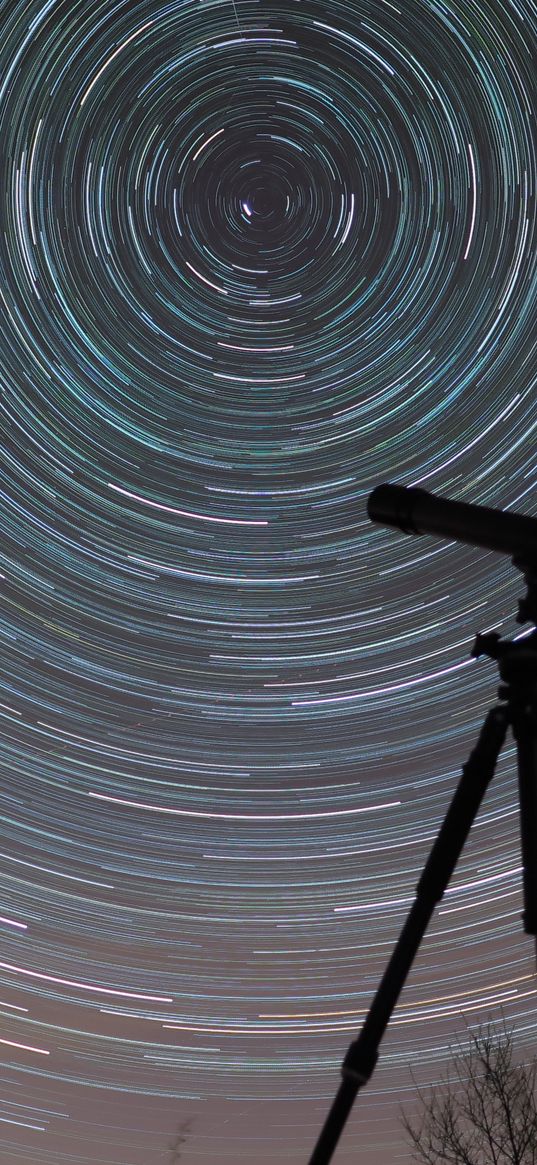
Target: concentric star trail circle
[(254, 260)]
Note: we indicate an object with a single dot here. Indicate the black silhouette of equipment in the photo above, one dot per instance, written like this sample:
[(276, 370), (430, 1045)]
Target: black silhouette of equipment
[(414, 511)]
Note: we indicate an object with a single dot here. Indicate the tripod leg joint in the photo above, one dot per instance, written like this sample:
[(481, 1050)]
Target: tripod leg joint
[(359, 1063)]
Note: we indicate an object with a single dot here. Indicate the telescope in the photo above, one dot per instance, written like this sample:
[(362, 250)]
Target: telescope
[(414, 511)]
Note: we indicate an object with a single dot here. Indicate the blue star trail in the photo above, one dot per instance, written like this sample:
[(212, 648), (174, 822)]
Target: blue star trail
[(255, 259)]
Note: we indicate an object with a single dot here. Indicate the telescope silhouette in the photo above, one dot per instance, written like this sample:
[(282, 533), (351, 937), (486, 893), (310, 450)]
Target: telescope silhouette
[(414, 511)]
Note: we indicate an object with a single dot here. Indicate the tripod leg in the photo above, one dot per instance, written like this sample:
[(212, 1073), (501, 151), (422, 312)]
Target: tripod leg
[(525, 733), (363, 1052)]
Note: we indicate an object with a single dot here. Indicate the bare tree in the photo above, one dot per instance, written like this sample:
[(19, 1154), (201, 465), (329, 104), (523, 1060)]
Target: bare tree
[(486, 1111), (179, 1141)]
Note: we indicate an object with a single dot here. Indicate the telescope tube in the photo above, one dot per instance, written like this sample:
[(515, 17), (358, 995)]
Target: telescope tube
[(414, 511)]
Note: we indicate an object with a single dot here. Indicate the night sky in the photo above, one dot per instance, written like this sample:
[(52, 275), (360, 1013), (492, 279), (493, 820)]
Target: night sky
[(255, 259)]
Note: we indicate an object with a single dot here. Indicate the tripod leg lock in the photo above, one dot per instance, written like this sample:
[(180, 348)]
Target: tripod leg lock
[(360, 1060)]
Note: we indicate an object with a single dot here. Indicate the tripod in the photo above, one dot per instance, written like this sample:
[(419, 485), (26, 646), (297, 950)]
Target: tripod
[(517, 709)]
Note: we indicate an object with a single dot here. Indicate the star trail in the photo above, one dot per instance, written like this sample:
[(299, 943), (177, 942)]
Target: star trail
[(255, 259)]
